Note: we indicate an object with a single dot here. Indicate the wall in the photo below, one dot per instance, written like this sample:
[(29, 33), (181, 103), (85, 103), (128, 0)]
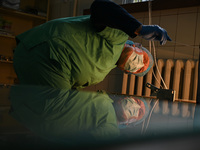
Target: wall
[(182, 25)]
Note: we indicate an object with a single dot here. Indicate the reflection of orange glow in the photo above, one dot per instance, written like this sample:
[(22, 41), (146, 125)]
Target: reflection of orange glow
[(121, 116)]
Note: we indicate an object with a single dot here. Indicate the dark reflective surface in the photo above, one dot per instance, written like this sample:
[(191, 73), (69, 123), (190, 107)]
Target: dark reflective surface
[(58, 118)]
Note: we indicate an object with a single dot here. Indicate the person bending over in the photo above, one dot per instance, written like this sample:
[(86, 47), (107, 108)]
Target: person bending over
[(76, 52)]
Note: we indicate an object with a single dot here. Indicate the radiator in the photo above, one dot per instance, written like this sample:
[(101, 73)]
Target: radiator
[(179, 75)]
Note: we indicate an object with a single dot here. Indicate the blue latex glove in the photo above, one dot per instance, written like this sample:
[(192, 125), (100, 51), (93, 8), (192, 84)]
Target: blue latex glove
[(154, 32)]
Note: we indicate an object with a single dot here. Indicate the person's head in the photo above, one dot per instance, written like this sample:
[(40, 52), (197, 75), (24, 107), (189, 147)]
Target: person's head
[(135, 60), (130, 110)]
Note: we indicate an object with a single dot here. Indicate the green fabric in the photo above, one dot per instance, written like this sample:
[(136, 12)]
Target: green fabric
[(34, 67), (83, 55), (64, 115)]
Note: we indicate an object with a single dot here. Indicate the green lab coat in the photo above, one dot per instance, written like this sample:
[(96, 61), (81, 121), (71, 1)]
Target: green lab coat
[(65, 116), (67, 53)]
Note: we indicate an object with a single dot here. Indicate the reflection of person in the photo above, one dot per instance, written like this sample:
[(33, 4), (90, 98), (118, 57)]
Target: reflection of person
[(67, 117), (79, 51), (130, 111)]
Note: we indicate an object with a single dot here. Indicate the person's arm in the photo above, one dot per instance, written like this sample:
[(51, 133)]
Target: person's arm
[(106, 13)]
